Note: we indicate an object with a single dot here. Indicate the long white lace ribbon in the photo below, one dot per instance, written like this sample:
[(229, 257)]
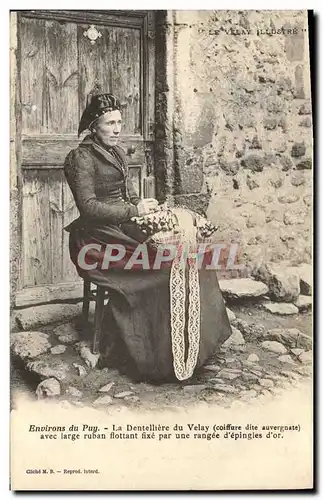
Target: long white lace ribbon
[(184, 369)]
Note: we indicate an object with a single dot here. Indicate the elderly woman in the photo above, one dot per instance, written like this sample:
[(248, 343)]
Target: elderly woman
[(138, 319)]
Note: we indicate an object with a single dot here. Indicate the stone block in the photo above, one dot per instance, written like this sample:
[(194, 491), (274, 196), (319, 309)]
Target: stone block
[(229, 167), (305, 109), (281, 308), (292, 218), (242, 288), (236, 339), (251, 183), (286, 163), (291, 198), (274, 346), (305, 164), (306, 122), (254, 162), (305, 272), (48, 388), (282, 281), (33, 317), (29, 345), (85, 352), (290, 337), (297, 179), (303, 302), (48, 368), (270, 123), (298, 149)]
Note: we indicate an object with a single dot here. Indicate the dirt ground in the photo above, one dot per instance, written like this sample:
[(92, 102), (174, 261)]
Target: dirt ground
[(201, 387)]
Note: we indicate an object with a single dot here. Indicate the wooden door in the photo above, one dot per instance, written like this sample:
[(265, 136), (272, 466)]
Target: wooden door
[(63, 55)]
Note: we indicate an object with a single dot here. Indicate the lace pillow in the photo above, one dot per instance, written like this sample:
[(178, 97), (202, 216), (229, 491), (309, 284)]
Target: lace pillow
[(164, 227)]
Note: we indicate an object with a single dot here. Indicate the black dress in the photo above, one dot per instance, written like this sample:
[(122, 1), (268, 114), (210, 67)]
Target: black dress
[(137, 319)]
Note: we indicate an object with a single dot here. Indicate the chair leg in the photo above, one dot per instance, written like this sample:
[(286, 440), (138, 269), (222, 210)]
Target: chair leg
[(86, 301), (99, 310)]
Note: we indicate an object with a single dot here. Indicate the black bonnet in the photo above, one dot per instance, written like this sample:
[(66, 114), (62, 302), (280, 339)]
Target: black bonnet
[(96, 106)]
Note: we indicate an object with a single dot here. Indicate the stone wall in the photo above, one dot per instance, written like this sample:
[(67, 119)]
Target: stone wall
[(242, 128)]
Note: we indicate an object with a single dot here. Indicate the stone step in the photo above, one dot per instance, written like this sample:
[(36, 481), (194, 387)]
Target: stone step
[(242, 288)]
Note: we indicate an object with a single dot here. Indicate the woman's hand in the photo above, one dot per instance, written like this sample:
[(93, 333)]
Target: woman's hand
[(147, 205)]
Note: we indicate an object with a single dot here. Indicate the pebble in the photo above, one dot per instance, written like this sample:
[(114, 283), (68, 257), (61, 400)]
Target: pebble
[(58, 349), (231, 360), (86, 354), (266, 393), (103, 400), (273, 346), (286, 359), (228, 375), (216, 380), (48, 388), (238, 348), (258, 373), (67, 339), (253, 358), (81, 369), (132, 399), (192, 389), (306, 357), (67, 330), (124, 394), (72, 391), (266, 382), (235, 340), (212, 368), (107, 387), (227, 389), (146, 387), (249, 377)]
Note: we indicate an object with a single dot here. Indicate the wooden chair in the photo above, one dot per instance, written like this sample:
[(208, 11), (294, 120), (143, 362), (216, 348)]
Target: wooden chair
[(98, 294)]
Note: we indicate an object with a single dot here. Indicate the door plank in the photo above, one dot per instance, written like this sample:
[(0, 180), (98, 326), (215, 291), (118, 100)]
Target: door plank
[(61, 77), (113, 64), (70, 213), (126, 80), (32, 36), (55, 189), (126, 18), (50, 151), (149, 75), (36, 229)]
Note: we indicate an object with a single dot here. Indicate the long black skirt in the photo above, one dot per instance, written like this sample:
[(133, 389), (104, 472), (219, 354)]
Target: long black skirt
[(137, 323)]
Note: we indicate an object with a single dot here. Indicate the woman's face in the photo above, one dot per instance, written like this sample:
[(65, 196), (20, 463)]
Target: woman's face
[(107, 128)]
